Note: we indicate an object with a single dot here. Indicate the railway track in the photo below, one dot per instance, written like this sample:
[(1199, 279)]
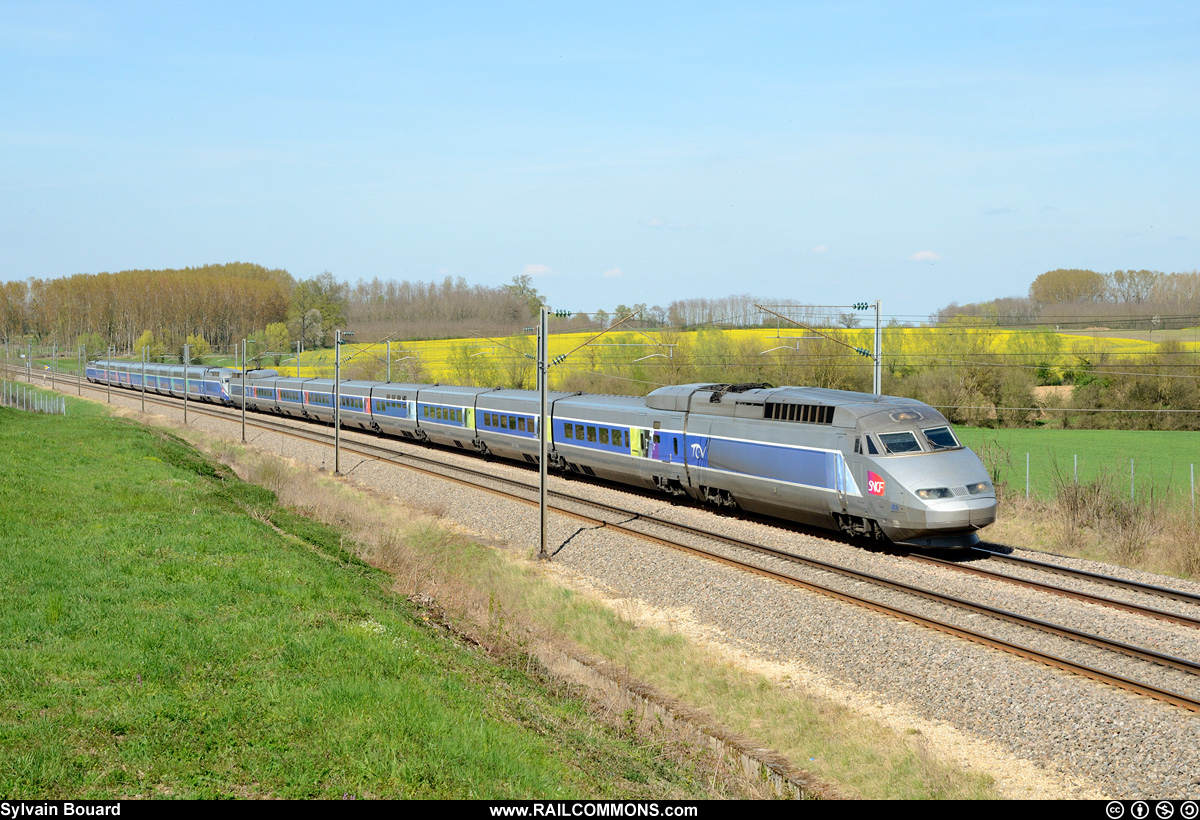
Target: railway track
[(796, 570), (1079, 595)]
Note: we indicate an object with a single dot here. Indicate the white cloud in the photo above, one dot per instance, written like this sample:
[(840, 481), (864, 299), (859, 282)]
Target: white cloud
[(821, 249), (613, 273), (926, 256), (537, 270), (655, 223)]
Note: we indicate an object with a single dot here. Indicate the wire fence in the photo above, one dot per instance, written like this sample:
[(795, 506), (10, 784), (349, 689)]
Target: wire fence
[(1148, 485), (31, 400)]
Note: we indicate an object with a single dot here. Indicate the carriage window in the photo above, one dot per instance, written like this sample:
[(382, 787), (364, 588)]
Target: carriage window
[(895, 443), (521, 424), (568, 431), (579, 431), (626, 438), (604, 435), (858, 445), (591, 433), (871, 446)]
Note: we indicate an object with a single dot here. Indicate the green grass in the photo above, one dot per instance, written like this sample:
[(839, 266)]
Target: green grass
[(1161, 459), (159, 637)]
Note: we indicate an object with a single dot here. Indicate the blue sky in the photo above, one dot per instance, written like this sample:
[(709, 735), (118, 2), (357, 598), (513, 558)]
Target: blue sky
[(823, 153)]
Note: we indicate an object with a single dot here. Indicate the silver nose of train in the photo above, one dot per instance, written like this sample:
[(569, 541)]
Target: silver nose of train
[(960, 513)]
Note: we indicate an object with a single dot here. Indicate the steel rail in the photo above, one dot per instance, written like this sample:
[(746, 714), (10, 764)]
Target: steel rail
[(1123, 583), (1087, 597)]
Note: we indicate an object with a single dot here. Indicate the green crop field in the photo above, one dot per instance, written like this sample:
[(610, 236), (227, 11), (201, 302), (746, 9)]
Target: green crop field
[(1162, 461)]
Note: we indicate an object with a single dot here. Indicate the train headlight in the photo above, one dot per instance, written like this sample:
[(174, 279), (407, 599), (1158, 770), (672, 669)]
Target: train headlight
[(979, 487), (939, 492)]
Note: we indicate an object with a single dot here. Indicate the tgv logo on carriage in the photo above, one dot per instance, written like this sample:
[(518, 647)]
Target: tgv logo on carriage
[(796, 453)]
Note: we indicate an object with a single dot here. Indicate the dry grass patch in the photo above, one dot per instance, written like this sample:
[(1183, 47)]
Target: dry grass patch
[(1096, 521)]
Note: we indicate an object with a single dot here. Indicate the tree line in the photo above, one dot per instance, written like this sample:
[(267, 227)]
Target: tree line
[(1075, 297), (214, 307), (953, 366)]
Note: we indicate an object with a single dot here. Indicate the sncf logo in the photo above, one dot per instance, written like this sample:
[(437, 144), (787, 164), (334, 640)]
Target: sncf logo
[(875, 483)]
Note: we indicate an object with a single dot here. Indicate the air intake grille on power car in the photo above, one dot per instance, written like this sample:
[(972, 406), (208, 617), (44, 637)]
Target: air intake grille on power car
[(805, 413)]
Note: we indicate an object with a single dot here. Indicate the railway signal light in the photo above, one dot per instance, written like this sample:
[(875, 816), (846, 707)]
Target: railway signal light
[(861, 305), (561, 314)]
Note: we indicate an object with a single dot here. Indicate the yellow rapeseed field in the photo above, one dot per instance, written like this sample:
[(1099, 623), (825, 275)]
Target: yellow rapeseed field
[(509, 360)]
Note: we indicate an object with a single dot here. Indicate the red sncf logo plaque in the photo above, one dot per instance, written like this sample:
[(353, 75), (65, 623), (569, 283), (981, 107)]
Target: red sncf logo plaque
[(875, 483)]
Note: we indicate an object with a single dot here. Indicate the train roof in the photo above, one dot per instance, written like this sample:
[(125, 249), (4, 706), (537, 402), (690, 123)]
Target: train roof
[(729, 399)]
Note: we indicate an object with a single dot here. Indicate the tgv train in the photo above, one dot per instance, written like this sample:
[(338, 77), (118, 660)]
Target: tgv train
[(878, 467)]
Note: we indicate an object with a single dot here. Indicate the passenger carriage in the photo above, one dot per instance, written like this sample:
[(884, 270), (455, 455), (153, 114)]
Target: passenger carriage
[(446, 415), (394, 408), (620, 438), (506, 422), (355, 398)]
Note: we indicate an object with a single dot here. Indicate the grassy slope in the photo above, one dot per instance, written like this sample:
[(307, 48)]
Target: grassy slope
[(157, 639)]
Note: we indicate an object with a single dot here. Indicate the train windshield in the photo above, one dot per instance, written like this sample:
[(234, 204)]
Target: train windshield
[(941, 438), (895, 443)]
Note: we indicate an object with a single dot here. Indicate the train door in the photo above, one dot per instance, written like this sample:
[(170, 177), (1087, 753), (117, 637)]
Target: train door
[(639, 438), (839, 470)]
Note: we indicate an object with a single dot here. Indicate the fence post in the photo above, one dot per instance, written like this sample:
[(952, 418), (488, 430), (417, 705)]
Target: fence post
[(1027, 476)]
